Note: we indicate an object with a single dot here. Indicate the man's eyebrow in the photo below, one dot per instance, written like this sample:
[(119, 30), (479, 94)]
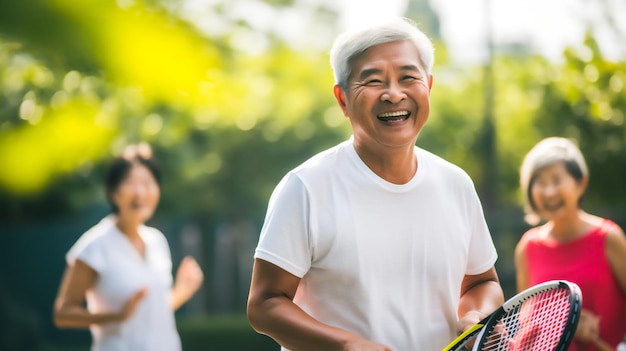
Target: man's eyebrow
[(368, 72), (409, 68)]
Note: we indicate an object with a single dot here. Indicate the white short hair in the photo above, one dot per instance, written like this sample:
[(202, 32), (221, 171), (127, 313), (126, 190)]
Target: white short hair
[(353, 43)]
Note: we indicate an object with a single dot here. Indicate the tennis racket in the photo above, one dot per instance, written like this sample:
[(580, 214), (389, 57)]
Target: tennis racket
[(541, 318)]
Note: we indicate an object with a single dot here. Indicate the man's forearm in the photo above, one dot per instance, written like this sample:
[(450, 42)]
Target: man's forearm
[(484, 297), (292, 328)]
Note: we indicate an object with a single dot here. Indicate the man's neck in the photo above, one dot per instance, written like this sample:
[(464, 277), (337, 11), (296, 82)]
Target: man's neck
[(395, 165)]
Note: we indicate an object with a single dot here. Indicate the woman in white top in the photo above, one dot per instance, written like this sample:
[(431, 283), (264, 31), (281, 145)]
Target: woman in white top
[(122, 268)]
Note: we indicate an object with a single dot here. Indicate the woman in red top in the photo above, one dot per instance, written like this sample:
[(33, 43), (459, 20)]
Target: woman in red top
[(572, 244)]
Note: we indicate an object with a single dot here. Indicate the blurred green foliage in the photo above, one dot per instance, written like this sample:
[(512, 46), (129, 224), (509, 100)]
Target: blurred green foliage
[(226, 124), (583, 98), (84, 78)]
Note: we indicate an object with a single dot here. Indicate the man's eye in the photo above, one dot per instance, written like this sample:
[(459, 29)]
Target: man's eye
[(374, 81)]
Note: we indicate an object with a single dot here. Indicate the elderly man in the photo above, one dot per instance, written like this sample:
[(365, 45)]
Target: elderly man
[(375, 244)]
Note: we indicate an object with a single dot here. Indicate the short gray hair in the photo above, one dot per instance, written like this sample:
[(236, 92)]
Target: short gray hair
[(548, 152), (353, 43)]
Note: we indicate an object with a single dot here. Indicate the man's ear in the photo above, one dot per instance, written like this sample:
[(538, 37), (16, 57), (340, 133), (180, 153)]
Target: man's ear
[(341, 98), (430, 82)]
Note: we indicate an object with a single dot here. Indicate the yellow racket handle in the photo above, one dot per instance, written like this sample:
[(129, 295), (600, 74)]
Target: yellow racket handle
[(466, 334)]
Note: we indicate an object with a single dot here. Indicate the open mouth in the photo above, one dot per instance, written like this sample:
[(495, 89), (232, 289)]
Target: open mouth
[(551, 207), (394, 116), (136, 205)]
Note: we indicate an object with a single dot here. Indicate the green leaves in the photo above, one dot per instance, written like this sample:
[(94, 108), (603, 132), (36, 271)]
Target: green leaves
[(82, 78)]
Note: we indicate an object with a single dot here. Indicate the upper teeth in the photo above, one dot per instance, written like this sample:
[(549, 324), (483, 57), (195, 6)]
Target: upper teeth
[(394, 114)]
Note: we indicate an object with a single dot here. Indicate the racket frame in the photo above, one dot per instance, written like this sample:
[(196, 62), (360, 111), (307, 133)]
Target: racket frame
[(575, 299)]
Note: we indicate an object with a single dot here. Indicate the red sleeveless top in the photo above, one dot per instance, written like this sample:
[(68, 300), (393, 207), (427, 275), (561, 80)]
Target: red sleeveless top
[(584, 262)]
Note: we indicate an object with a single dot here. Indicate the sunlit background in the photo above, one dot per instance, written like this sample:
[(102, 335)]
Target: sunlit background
[(232, 94)]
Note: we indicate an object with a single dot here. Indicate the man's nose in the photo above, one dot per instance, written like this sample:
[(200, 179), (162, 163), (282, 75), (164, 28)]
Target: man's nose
[(393, 94)]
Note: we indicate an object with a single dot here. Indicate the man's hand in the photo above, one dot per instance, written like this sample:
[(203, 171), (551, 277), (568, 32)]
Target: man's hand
[(468, 320)]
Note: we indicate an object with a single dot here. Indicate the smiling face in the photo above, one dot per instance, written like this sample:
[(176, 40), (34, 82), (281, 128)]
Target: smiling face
[(137, 195), (555, 193), (387, 99)]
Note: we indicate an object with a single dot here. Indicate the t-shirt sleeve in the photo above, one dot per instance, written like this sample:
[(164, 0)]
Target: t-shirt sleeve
[(284, 239), (482, 252), (87, 250)]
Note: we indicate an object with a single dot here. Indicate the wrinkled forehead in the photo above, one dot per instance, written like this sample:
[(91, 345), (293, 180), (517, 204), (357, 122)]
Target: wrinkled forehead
[(401, 55)]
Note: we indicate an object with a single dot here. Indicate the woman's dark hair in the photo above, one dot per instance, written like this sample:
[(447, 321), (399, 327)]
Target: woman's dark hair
[(121, 165)]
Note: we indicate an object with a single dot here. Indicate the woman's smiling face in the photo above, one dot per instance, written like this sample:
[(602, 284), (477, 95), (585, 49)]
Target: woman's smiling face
[(137, 195), (555, 192)]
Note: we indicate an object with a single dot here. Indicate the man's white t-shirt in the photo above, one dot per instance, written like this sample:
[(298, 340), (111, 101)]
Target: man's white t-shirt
[(122, 272), (382, 260)]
